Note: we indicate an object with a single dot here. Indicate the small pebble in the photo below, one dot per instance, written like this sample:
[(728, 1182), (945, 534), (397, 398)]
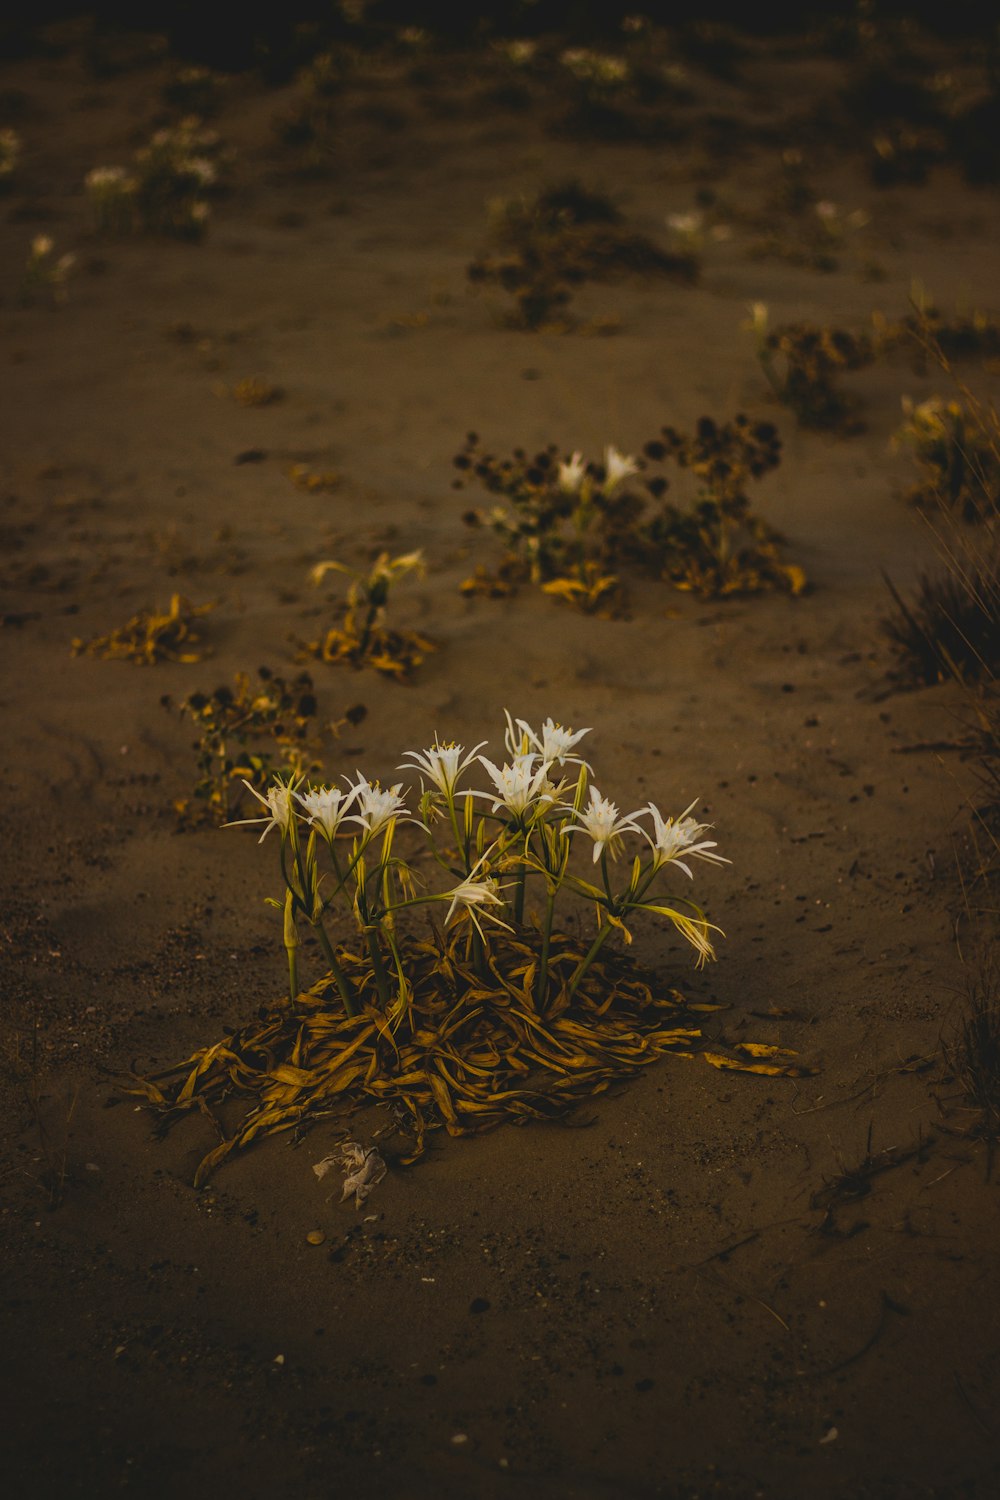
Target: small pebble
[(458, 1438), (315, 1237)]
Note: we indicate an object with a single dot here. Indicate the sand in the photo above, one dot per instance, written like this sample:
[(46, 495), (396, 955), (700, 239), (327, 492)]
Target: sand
[(677, 1299)]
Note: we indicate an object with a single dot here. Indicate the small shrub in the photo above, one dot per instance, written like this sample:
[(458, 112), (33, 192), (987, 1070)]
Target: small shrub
[(958, 458), (247, 734), (803, 363), (562, 237), (571, 526)]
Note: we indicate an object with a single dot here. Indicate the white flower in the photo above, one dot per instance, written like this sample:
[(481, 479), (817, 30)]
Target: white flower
[(617, 466), (571, 474), (280, 809), (471, 893), (673, 837), (202, 168), (602, 821), (758, 317), (686, 224), (326, 806), (376, 806), (442, 764), (553, 744), (519, 784)]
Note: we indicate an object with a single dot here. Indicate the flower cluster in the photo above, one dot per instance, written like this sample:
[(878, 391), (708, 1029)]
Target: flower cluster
[(495, 843), (802, 362), (167, 190)]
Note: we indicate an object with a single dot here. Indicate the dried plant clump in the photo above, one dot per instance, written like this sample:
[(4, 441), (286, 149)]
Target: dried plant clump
[(253, 391), (803, 363), (499, 1018), (972, 1052), (949, 628), (247, 734), (571, 527), (936, 336), (313, 481), (151, 636), (564, 236), (361, 638), (959, 457)]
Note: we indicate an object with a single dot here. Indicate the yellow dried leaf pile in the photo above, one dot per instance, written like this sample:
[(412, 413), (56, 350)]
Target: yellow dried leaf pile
[(465, 1055), (151, 636)]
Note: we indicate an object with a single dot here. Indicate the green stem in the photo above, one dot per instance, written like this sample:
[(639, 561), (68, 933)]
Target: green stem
[(340, 979), (519, 896), (542, 986), (291, 937), (378, 966), (592, 952)]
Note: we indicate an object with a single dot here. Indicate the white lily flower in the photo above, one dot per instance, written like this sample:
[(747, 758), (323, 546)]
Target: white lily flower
[(554, 742), (280, 809), (759, 315), (325, 807), (475, 893), (442, 764), (617, 466), (686, 224), (571, 474), (376, 805), (603, 822), (519, 784), (673, 837)]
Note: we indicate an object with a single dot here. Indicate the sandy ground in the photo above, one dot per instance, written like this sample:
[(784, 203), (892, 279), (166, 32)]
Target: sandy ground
[(674, 1300)]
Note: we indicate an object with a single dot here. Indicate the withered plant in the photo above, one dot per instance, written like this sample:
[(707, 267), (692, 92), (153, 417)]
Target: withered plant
[(360, 636), (151, 636)]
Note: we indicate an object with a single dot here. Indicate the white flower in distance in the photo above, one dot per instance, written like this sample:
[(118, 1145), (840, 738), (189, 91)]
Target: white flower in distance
[(617, 466), (601, 819), (759, 315), (555, 742), (571, 474), (441, 764), (326, 806), (686, 224), (519, 784), (376, 805), (673, 837), (280, 809)]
